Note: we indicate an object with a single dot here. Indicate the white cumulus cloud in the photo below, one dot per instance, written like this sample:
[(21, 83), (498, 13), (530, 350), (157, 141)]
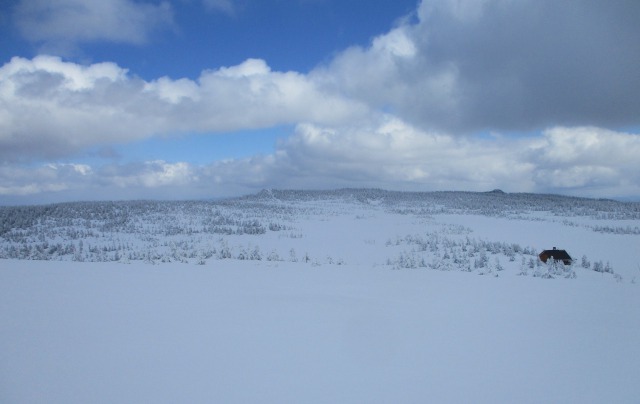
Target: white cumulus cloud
[(389, 153), (53, 108), (589, 158)]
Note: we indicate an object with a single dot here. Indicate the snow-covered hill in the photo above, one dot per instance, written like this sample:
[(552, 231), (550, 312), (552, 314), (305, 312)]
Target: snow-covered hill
[(347, 296), (472, 232)]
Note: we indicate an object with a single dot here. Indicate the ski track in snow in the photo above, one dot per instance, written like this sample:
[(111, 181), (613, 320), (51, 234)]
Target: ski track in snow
[(364, 319)]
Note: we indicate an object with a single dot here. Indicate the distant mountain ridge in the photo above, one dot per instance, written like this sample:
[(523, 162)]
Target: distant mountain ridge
[(476, 201), (487, 203)]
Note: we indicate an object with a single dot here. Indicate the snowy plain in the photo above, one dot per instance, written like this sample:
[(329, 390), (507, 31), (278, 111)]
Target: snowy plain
[(352, 296)]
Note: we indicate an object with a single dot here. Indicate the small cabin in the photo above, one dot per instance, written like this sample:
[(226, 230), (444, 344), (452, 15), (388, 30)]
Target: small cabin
[(556, 255)]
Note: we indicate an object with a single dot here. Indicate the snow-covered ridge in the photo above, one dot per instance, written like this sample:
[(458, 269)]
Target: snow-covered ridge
[(486, 233), (487, 203)]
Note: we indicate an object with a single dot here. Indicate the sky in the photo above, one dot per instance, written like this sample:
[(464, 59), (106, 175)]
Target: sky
[(191, 99)]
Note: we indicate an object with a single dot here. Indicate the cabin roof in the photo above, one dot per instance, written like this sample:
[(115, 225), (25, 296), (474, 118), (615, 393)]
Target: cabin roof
[(557, 254)]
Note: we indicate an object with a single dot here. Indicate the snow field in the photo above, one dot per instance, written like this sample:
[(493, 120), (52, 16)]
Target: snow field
[(352, 296), (241, 331)]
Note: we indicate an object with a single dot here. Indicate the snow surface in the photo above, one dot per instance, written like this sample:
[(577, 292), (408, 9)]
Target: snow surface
[(376, 314), (275, 332)]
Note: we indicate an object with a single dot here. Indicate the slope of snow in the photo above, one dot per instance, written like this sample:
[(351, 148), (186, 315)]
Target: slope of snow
[(235, 331)]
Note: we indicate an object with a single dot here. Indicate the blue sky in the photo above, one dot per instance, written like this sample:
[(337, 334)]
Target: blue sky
[(289, 34), (120, 99)]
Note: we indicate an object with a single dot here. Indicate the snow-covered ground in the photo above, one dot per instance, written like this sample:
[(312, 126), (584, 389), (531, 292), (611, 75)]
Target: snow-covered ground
[(360, 297)]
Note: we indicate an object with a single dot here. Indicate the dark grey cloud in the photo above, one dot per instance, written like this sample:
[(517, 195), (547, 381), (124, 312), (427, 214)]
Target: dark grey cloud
[(504, 65), (539, 63)]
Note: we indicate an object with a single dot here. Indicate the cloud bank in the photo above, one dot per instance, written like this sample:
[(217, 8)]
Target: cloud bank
[(583, 161)]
